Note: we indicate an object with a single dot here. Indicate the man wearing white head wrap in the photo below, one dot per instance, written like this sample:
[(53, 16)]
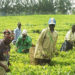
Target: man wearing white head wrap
[(24, 42), (24, 32)]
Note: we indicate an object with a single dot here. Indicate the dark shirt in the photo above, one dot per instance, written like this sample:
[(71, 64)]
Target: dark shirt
[(4, 49)]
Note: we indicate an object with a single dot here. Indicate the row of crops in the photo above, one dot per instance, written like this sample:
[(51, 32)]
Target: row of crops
[(61, 64)]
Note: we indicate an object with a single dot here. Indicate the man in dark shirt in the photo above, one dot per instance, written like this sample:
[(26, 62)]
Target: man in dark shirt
[(4, 51)]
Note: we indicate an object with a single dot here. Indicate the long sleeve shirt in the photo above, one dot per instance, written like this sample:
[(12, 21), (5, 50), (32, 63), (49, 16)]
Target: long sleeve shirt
[(45, 46), (23, 44), (70, 37), (17, 33), (4, 51)]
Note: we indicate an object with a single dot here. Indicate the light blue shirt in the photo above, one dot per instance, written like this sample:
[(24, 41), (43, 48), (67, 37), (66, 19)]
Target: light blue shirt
[(17, 33)]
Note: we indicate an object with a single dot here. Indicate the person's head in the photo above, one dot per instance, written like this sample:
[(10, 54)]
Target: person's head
[(24, 34), (73, 28), (52, 23), (8, 36), (19, 25)]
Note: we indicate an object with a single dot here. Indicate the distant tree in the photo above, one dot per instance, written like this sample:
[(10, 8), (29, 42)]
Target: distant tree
[(73, 10), (46, 6), (34, 6), (4, 6), (62, 6)]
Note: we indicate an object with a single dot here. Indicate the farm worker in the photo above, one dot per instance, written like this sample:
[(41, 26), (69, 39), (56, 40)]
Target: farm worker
[(69, 40), (17, 32), (24, 42), (4, 52), (45, 47)]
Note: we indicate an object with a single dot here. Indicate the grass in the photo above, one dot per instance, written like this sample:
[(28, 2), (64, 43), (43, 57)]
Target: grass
[(61, 64)]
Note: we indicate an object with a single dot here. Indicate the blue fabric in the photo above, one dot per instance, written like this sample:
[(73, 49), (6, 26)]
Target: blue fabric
[(52, 21), (17, 33)]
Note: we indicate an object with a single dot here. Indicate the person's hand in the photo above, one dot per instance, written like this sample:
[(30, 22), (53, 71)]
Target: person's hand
[(56, 53), (23, 51), (7, 69), (71, 42), (45, 56), (26, 44), (16, 49), (33, 45)]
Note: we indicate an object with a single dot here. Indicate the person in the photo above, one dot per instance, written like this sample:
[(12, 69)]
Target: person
[(45, 47), (69, 40), (4, 52), (23, 43), (17, 32)]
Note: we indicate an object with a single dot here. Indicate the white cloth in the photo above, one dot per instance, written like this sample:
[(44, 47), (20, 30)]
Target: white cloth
[(24, 32), (70, 36)]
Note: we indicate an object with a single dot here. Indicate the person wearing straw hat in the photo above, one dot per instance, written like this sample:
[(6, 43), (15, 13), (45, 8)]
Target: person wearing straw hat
[(23, 43), (45, 47)]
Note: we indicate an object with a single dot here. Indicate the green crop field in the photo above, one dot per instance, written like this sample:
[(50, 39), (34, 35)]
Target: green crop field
[(61, 64)]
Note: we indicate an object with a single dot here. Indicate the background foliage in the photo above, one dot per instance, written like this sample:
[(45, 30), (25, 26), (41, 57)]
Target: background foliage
[(22, 7)]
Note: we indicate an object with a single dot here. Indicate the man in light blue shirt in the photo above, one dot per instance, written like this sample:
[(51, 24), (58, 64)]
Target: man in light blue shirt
[(17, 32)]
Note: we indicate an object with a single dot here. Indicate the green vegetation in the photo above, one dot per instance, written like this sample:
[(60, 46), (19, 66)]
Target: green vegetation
[(24, 7), (61, 64)]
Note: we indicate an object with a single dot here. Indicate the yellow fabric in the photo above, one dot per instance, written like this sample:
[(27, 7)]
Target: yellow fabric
[(45, 46)]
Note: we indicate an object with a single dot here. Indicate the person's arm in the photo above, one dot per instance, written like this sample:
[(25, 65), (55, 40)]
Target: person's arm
[(29, 42), (68, 36), (15, 35), (5, 67), (54, 50), (42, 37), (18, 42), (39, 45)]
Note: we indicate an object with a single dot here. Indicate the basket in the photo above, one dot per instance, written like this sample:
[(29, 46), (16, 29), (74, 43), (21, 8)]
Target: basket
[(31, 52)]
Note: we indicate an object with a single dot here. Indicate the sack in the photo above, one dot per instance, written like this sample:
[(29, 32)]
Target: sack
[(66, 46), (31, 52)]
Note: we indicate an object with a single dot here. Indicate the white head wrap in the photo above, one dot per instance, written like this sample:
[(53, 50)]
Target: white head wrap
[(24, 32)]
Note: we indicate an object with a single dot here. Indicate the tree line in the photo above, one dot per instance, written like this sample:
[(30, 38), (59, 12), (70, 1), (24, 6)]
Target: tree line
[(34, 6)]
